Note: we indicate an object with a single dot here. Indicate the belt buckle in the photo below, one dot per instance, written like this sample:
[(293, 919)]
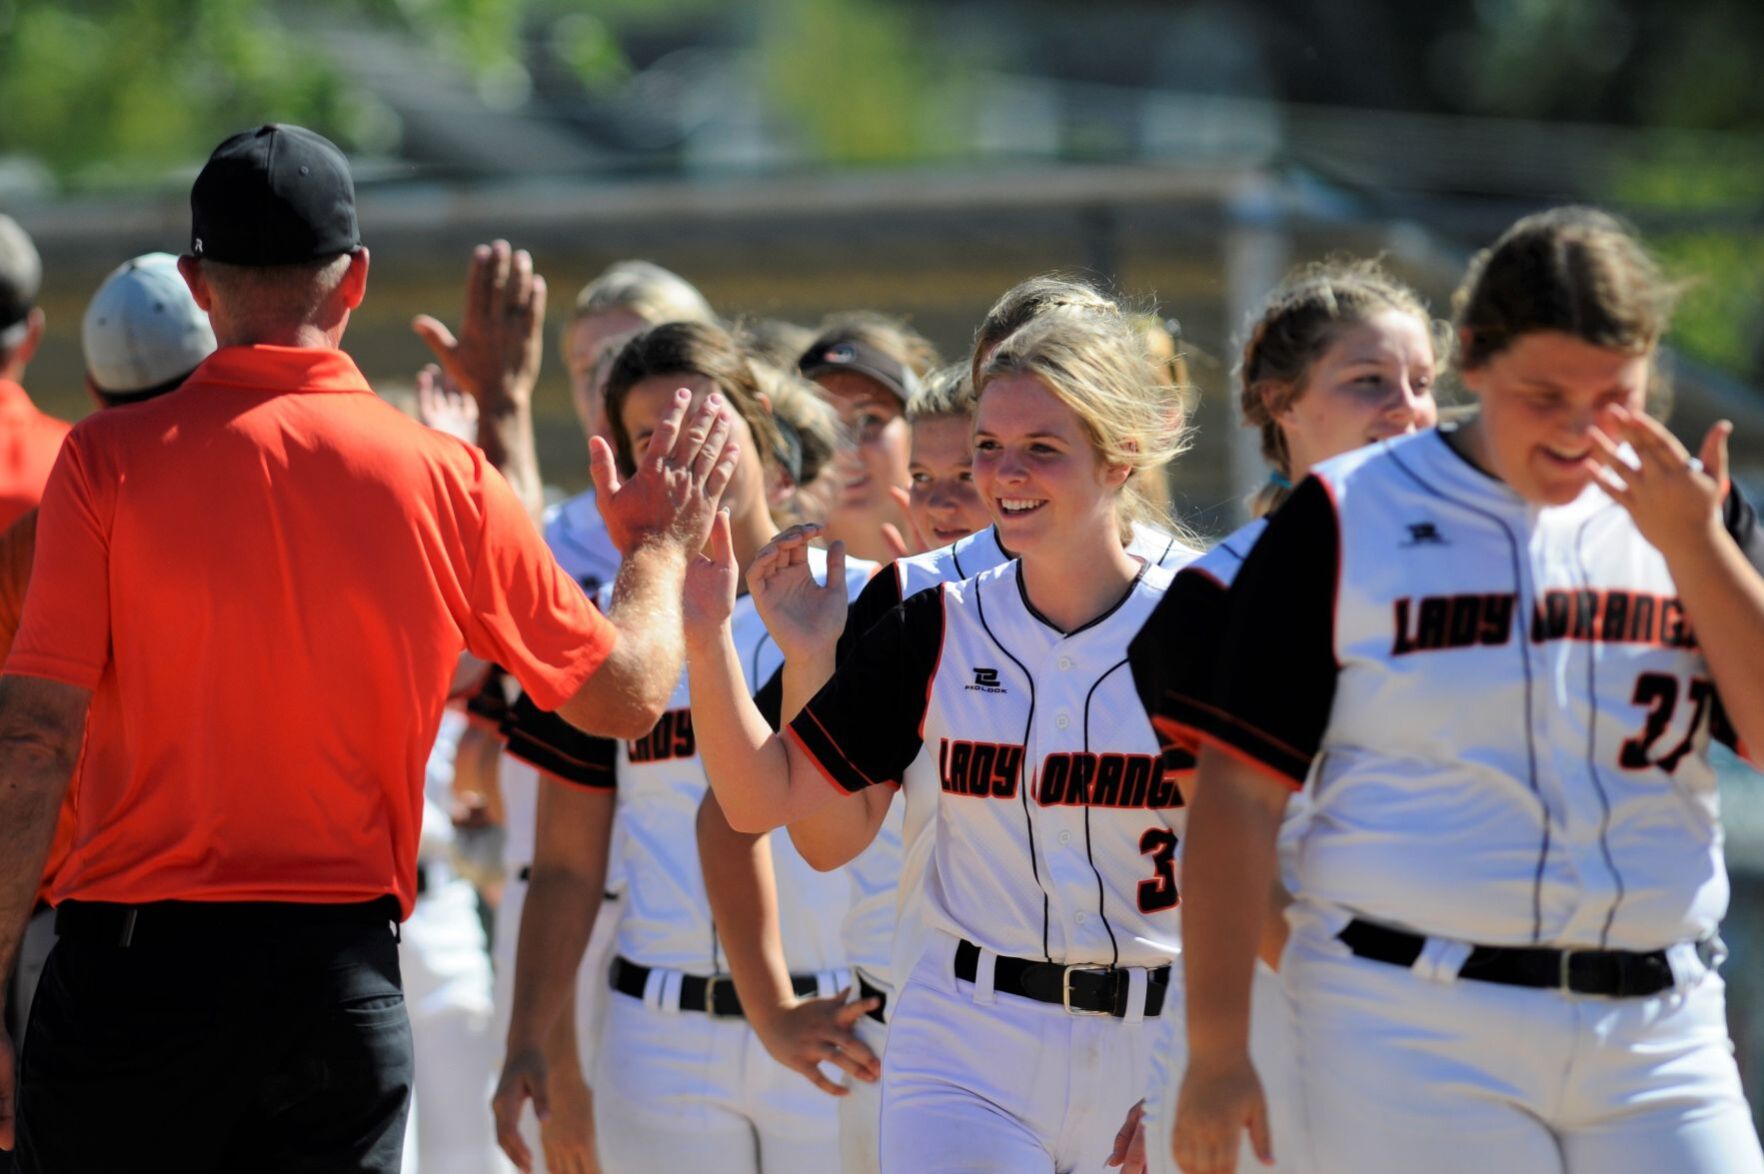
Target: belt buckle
[(1066, 988), (711, 984)]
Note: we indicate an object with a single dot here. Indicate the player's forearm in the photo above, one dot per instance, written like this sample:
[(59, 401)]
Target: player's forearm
[(626, 695), (555, 924), (505, 433), (746, 763), (41, 727), (1228, 870), (1724, 598), (833, 835), (562, 1047), (743, 893), (803, 678)]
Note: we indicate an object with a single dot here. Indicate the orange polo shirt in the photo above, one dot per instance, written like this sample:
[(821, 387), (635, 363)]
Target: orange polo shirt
[(266, 578), (17, 546), (29, 441)]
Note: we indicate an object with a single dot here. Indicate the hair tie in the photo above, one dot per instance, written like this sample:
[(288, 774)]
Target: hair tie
[(1279, 480)]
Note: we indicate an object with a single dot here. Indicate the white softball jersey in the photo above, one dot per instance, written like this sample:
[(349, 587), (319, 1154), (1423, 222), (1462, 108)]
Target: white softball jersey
[(1050, 793), (664, 916), (1502, 709), (887, 877)]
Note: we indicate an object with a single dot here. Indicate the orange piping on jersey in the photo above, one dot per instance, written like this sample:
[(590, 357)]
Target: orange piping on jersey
[(831, 741), (1248, 759), (820, 769), (1172, 734), (1253, 731)]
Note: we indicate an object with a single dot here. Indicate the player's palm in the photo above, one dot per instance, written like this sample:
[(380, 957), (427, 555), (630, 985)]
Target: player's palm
[(711, 580), (803, 616)]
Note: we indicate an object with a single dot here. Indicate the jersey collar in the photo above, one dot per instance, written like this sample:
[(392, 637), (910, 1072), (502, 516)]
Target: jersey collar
[(280, 369)]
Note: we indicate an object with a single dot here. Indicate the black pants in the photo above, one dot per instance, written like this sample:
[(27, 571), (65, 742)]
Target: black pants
[(218, 1045)]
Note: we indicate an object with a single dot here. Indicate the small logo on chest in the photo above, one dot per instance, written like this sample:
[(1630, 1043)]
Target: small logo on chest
[(986, 681), (1425, 534)]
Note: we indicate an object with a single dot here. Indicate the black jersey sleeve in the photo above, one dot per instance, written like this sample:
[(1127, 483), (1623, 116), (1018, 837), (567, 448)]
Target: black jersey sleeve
[(770, 699), (1274, 680), (552, 744), (880, 596), (488, 704), (865, 726), (1741, 520), (1176, 655)]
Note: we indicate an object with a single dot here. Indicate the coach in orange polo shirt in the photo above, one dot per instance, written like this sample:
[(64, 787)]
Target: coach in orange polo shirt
[(248, 600), (29, 439)]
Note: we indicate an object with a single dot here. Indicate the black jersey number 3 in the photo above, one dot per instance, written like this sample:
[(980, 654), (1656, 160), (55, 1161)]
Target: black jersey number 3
[(1159, 893), (1659, 692)]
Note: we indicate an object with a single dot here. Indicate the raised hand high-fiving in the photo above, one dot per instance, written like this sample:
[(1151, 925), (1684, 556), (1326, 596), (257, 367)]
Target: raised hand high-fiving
[(672, 497), (495, 358), (803, 616)]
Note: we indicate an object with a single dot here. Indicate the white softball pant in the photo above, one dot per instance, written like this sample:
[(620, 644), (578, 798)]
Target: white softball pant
[(591, 991), (981, 1081), (1406, 1072), (680, 1090), (1273, 1049), (446, 969), (860, 1111)]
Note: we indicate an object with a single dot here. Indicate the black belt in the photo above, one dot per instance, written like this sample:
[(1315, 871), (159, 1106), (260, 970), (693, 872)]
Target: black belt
[(122, 925), (1083, 990), (714, 995), (1617, 974), (866, 991)]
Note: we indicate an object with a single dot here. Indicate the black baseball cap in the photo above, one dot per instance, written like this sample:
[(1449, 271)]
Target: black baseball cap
[(848, 354), (277, 195)]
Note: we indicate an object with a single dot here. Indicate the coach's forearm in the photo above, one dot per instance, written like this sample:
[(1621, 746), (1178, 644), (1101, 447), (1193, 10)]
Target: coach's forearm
[(626, 695), (746, 763), (42, 724), (1228, 870)]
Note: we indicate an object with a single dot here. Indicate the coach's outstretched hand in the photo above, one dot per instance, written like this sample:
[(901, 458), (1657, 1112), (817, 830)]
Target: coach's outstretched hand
[(672, 497), (805, 617), (1217, 1103)]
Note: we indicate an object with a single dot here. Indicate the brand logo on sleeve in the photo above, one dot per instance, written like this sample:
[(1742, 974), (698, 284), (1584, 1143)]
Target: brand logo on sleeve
[(1425, 534)]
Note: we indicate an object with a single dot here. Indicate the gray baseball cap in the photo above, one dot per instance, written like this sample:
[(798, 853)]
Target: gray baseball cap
[(142, 329)]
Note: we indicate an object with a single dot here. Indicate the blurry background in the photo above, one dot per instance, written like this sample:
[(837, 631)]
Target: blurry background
[(793, 157)]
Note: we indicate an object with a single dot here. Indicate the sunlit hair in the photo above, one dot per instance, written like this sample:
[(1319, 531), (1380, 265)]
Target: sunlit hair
[(1298, 323), (1023, 302), (773, 341), (890, 336), (947, 391), (645, 289), (689, 348), (808, 426), (1576, 270), (1096, 364)]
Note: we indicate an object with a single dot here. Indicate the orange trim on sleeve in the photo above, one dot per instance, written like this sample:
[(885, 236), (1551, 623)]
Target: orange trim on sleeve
[(1250, 760), (815, 761)]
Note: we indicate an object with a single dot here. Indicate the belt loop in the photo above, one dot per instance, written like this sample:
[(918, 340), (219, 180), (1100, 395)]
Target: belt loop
[(661, 991), (1686, 963), (985, 976), (830, 982), (1138, 978), (1441, 959)]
